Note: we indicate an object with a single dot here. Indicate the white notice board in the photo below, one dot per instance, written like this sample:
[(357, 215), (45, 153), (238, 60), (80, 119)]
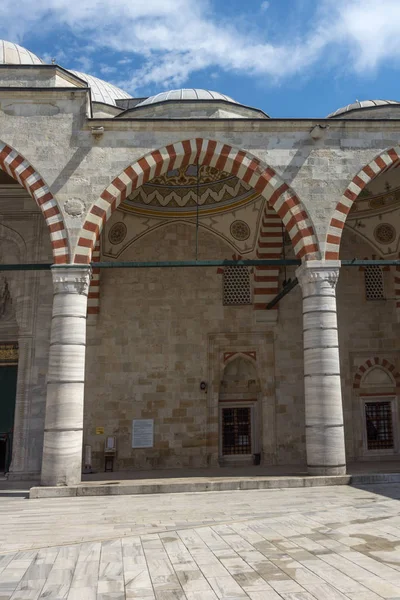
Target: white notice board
[(142, 433)]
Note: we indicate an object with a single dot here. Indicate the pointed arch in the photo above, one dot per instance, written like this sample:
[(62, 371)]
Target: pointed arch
[(240, 359), (240, 356), (22, 171), (381, 163), (237, 162)]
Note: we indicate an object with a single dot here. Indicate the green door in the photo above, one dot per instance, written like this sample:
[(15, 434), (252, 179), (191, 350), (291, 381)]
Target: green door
[(8, 390)]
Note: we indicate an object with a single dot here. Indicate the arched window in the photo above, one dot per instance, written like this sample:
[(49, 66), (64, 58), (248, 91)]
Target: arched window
[(379, 410)]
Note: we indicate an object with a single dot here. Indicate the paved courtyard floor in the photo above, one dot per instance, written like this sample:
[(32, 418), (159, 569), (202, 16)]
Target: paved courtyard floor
[(327, 543)]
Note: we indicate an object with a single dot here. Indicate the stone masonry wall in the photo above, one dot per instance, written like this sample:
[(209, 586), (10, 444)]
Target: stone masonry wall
[(149, 352)]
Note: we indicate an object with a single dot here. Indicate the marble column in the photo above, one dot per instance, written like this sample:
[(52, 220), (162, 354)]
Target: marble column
[(322, 384), (62, 449)]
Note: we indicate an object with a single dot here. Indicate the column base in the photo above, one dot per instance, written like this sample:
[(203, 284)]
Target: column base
[(327, 470), (23, 476)]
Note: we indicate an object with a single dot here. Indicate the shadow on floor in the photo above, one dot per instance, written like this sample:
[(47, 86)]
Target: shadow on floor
[(387, 489)]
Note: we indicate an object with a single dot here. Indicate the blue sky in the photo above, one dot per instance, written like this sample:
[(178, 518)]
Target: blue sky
[(291, 58)]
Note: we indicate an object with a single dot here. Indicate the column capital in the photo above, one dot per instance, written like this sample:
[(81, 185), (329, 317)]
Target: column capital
[(318, 271), (74, 279)]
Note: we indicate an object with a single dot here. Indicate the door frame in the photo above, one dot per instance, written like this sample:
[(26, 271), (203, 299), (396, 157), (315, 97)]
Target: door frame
[(9, 354)]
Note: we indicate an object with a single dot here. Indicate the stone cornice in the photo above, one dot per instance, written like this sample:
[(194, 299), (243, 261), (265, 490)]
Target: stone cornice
[(245, 125)]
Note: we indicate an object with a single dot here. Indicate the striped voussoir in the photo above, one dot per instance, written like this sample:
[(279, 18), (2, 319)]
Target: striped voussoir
[(243, 165), (387, 160), (270, 244), (94, 288), (19, 168), (372, 362)]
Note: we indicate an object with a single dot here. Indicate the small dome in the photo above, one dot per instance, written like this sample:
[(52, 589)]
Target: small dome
[(186, 94), (12, 54), (361, 104), (101, 90)]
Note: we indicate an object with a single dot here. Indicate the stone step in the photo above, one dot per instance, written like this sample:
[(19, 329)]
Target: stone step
[(166, 486)]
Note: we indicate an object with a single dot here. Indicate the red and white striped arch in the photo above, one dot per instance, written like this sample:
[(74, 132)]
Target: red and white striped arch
[(20, 169), (384, 162), (262, 178)]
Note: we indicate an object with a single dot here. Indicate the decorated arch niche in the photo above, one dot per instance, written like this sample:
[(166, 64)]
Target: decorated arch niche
[(240, 374), (383, 162), (278, 195), (367, 372), (22, 171)]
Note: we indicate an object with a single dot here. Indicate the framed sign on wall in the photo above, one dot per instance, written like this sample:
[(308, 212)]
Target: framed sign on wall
[(142, 433)]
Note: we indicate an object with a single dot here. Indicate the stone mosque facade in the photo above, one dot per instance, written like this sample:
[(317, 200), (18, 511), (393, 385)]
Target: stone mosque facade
[(172, 366)]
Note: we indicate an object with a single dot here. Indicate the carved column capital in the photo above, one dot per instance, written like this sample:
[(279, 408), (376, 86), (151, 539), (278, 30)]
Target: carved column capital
[(318, 271), (71, 279)]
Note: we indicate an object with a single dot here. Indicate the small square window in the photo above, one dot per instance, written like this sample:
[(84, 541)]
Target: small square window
[(237, 288), (374, 289)]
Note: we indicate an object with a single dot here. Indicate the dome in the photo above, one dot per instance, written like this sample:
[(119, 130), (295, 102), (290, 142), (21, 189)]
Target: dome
[(12, 54), (186, 94), (361, 104), (101, 90)]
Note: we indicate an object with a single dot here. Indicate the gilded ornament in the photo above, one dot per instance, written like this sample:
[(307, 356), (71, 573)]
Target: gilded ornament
[(8, 353)]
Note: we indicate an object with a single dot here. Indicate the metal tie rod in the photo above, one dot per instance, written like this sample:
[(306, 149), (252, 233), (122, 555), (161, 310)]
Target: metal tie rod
[(192, 263)]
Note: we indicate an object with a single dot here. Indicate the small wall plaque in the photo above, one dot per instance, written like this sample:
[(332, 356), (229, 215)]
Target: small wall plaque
[(99, 430), (143, 433)]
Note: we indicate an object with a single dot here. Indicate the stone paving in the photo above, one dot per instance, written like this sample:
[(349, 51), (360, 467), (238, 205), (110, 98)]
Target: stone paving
[(327, 543)]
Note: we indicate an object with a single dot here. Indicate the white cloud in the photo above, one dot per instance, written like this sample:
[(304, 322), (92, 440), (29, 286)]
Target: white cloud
[(175, 38), (106, 69), (264, 5)]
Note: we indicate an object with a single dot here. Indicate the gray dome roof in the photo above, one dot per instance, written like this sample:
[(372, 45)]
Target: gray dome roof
[(186, 94), (12, 54), (361, 104), (101, 90)]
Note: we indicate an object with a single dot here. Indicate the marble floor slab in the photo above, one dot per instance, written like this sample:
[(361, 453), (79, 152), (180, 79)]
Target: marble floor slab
[(327, 543)]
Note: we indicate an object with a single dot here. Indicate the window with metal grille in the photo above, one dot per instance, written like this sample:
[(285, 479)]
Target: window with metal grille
[(236, 430), (373, 277), (237, 289), (379, 425)]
